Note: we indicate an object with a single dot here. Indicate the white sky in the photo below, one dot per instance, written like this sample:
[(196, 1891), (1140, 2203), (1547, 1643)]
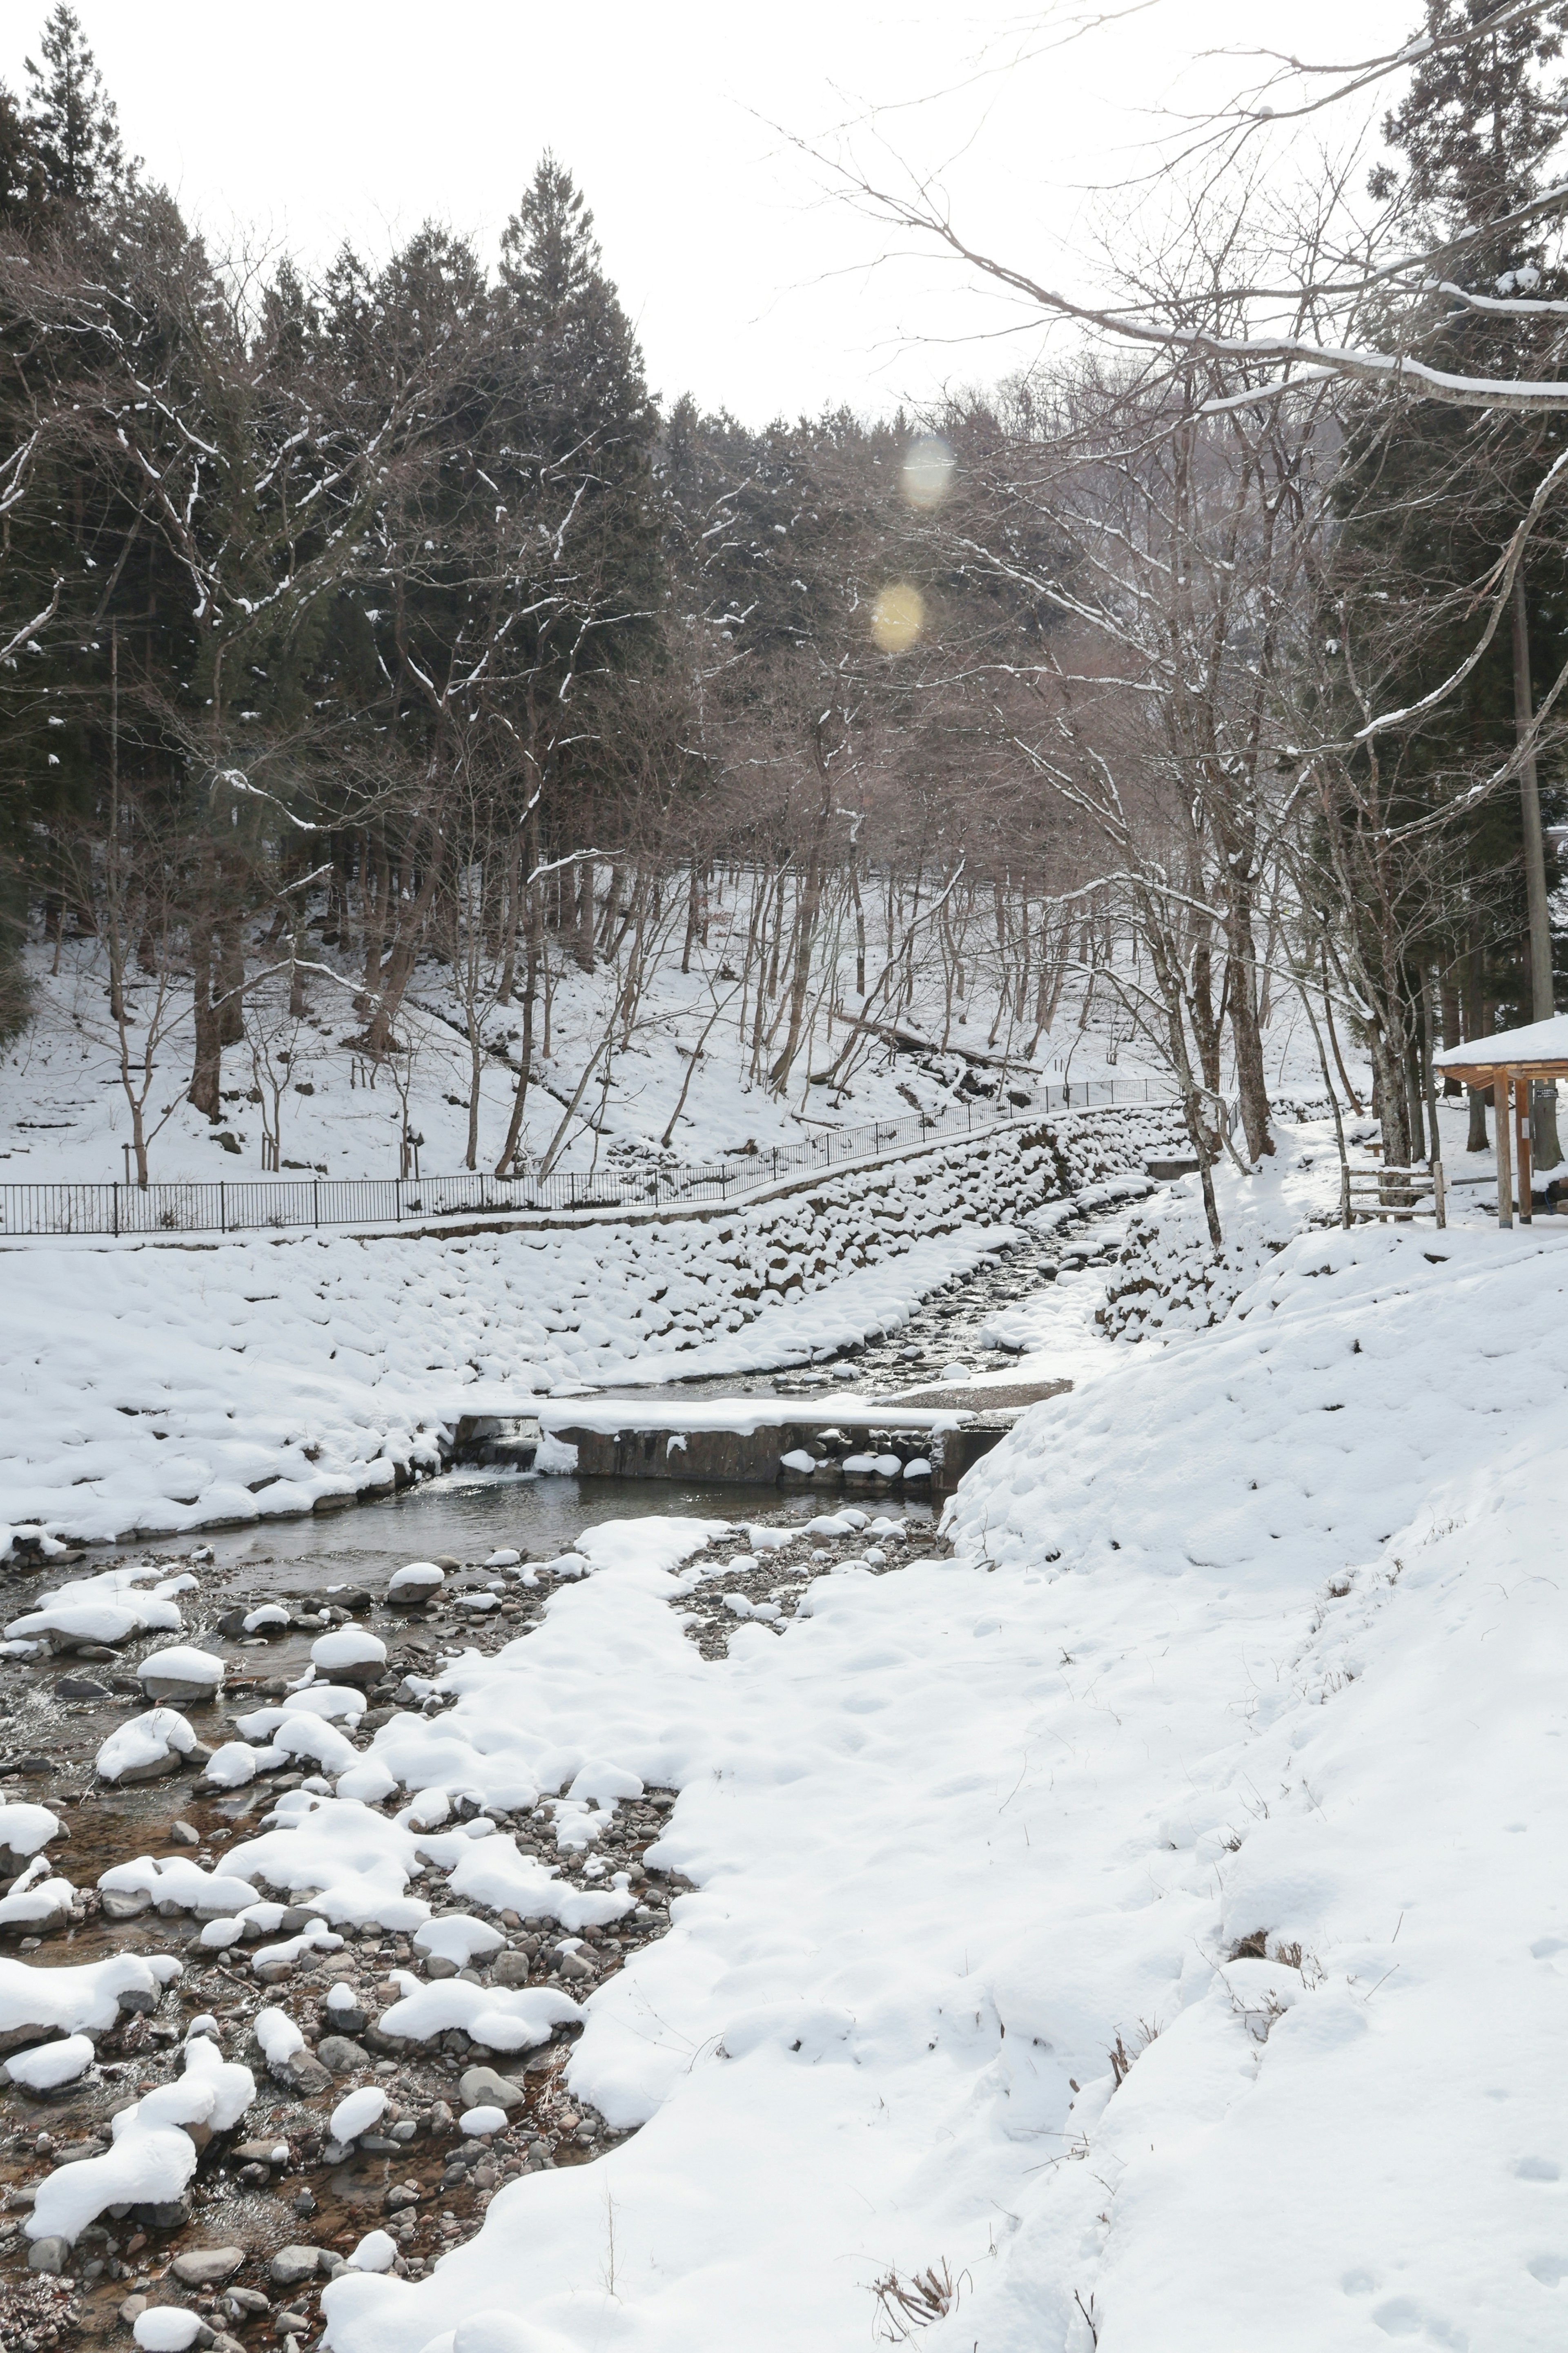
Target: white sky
[(304, 121)]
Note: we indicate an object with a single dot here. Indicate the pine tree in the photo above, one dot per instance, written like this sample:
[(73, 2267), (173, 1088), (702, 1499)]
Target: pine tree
[(74, 123)]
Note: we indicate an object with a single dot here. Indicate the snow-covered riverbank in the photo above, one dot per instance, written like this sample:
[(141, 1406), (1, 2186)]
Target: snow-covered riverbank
[(1142, 1922), (161, 1387), (1223, 1747)]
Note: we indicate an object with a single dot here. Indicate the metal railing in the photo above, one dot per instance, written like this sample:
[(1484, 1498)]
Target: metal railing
[(189, 1207)]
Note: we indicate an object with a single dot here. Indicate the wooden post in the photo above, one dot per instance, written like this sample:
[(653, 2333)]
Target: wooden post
[(1520, 1091), (1502, 1110)]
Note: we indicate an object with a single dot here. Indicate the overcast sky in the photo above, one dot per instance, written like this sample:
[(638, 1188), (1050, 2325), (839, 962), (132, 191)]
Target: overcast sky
[(304, 121)]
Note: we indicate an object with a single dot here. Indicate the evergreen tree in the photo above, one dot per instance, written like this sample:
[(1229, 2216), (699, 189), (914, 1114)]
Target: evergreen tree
[(74, 123)]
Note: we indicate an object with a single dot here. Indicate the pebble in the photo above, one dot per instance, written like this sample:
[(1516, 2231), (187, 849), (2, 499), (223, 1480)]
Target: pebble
[(342, 2056), (292, 2266), (124, 1904), (482, 2087), (207, 2266)]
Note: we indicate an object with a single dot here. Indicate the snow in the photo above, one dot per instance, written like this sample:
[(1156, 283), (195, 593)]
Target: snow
[(1534, 1041), (83, 1998), (505, 2020), (44, 2068), (24, 1829), (359, 1862), (457, 1936), (144, 1740), (478, 2121), (236, 1762), (377, 2251), (182, 1663), (152, 2159), (308, 1366), (348, 1646), (742, 1415), (277, 2036), (357, 2113), (167, 2328), (1223, 1743)]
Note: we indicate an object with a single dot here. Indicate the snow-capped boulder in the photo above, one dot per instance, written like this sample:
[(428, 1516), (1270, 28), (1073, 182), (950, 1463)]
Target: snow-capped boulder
[(350, 1655), (411, 1587), (25, 1828), (159, 1742), (181, 1672)]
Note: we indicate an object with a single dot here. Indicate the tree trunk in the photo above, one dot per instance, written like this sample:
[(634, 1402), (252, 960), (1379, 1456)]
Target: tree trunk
[(1545, 1152), (230, 980), (206, 1069), (1473, 1011)]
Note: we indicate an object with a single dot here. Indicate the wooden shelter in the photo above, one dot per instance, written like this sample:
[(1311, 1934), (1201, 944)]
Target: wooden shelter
[(1509, 1062)]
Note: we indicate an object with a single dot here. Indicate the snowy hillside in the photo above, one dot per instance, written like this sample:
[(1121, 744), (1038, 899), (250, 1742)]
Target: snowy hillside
[(63, 1109)]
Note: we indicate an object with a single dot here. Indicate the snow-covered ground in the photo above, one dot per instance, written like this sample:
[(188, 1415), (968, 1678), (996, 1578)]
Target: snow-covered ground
[(1143, 1928), (161, 1387), (64, 1114), (1147, 1922)]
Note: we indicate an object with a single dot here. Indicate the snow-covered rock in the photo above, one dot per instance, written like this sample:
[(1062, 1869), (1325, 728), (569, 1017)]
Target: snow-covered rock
[(458, 1936), (503, 2020), (338, 1703), (412, 1586), (24, 1829), (49, 2064), (148, 1745), (84, 1999), (152, 2157), (351, 1653), (38, 1903), (358, 2112), (181, 1672), (176, 1883)]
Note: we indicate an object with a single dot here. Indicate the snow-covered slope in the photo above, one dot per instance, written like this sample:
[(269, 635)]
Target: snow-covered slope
[(153, 1387), (1229, 1744), (64, 1113)]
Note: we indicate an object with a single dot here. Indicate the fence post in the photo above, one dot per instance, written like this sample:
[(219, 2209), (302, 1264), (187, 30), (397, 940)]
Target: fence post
[(315, 1201), (222, 1212), (116, 1212)]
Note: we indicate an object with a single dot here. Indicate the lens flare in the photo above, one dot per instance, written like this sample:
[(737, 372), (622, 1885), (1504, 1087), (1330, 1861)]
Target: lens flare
[(928, 471), (898, 618)]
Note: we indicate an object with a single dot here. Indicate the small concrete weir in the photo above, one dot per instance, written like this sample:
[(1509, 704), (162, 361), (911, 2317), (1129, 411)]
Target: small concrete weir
[(921, 1446)]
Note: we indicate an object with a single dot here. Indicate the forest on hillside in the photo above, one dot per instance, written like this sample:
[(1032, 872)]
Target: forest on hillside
[(357, 622)]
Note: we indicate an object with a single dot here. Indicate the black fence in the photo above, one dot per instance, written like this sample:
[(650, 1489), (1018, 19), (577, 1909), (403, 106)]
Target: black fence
[(278, 1202)]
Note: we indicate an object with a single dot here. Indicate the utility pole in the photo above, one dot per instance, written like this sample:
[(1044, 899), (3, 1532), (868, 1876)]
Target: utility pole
[(1545, 1150)]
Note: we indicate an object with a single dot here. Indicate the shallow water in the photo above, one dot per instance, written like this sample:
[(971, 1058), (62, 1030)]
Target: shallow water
[(465, 1514)]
